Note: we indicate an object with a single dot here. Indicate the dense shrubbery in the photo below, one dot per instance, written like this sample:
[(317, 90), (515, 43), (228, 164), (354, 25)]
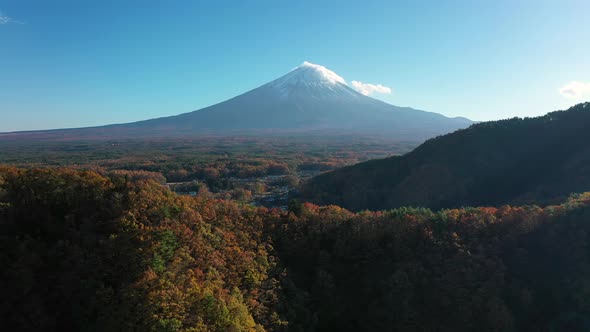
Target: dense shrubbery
[(85, 252)]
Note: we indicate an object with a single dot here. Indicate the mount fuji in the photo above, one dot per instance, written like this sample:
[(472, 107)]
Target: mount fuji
[(310, 99)]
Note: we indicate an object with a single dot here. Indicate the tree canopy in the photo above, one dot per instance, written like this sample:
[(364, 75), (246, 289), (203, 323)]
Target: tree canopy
[(83, 251)]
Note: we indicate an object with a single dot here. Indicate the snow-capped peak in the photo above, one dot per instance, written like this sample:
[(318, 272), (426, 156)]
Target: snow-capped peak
[(312, 72), (311, 80)]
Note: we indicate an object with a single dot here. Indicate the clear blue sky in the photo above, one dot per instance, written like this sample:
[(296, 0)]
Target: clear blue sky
[(83, 63)]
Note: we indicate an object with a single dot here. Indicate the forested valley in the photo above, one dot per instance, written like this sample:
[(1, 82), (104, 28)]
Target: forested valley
[(97, 251), (247, 169)]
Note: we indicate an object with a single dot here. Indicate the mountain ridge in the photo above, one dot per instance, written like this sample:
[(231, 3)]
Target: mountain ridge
[(310, 98)]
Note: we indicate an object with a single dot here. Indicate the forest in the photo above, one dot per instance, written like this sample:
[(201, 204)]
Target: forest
[(86, 250), (248, 169)]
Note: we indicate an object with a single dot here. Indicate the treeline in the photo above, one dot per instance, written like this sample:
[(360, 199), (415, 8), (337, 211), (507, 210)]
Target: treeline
[(225, 169), (86, 252), (250, 169), (203, 158)]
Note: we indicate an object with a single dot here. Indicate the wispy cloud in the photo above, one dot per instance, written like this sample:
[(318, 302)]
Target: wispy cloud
[(576, 90), (368, 88), (5, 19)]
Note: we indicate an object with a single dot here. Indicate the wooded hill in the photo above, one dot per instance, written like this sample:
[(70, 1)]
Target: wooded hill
[(518, 161)]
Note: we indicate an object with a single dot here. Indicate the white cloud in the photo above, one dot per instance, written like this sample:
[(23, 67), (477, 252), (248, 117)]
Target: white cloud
[(576, 90), (368, 88), (5, 19)]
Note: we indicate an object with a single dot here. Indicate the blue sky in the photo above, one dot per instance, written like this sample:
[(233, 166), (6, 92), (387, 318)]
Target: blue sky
[(82, 63)]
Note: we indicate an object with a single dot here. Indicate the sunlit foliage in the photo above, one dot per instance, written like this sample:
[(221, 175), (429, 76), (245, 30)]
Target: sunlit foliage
[(82, 251)]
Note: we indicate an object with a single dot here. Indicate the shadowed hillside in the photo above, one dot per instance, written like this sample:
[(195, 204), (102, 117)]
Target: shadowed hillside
[(509, 161)]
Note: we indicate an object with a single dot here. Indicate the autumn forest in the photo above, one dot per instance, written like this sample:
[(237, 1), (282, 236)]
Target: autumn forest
[(239, 234)]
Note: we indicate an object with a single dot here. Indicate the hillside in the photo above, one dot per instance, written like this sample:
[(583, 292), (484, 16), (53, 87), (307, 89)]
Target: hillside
[(82, 251), (537, 160)]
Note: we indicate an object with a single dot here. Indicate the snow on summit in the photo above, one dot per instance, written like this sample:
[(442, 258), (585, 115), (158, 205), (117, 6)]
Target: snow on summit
[(308, 74), (311, 79), (314, 78), (311, 71)]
